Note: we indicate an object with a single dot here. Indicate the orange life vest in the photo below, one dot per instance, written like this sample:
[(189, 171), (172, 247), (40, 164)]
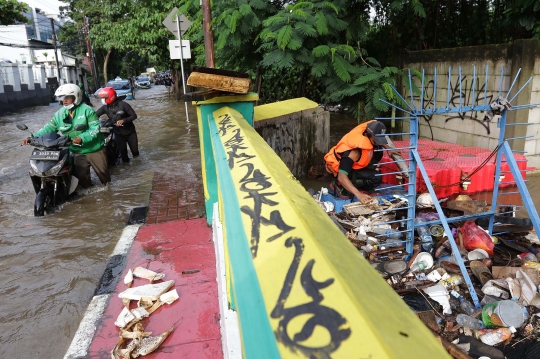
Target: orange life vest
[(352, 140)]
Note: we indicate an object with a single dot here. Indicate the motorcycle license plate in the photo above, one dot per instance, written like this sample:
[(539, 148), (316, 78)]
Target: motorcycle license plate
[(45, 155), (104, 130)]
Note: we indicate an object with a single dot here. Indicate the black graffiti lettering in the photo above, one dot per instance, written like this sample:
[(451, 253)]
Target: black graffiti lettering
[(276, 220), (225, 124), (235, 144), (466, 96), (322, 316), (285, 141), (255, 213)]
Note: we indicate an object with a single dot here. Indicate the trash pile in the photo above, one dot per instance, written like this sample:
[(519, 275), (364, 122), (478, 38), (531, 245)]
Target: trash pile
[(134, 341), (504, 270)]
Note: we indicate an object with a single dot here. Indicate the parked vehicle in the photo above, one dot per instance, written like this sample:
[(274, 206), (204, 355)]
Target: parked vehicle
[(51, 169), (122, 87), (106, 127), (143, 82)]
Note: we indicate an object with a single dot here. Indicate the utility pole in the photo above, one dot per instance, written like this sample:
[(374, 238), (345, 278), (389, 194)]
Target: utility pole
[(208, 34), (56, 52)]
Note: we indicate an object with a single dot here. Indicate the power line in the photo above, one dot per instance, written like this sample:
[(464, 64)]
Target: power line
[(27, 46)]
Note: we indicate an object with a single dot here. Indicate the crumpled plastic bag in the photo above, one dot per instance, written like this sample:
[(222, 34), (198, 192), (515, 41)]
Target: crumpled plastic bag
[(497, 288), (528, 289), (475, 237), (439, 294)]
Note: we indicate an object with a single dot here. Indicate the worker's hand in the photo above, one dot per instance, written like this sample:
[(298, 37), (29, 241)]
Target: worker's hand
[(393, 152), (120, 123), (77, 141), (26, 141), (364, 198)]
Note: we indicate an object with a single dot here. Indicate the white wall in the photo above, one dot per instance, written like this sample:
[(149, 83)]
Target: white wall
[(14, 34)]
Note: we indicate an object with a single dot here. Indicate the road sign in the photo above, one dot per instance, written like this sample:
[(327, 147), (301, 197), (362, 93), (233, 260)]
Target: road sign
[(174, 49), (170, 22)]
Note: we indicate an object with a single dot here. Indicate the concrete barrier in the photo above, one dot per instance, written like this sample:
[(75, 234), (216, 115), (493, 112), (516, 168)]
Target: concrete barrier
[(299, 287)]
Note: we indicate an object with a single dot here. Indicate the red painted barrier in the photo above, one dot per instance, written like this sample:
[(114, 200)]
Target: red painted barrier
[(447, 163)]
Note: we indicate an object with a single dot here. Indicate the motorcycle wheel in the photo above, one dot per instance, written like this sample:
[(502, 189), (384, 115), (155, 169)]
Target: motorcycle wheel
[(43, 202)]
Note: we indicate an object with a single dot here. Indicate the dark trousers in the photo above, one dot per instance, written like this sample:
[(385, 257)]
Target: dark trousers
[(98, 161), (367, 178), (123, 141)]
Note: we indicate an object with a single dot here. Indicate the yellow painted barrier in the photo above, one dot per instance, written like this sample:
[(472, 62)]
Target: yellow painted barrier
[(282, 108), (321, 298)]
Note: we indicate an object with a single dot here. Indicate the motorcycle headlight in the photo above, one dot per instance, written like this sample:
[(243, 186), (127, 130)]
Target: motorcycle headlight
[(56, 168), (34, 167)]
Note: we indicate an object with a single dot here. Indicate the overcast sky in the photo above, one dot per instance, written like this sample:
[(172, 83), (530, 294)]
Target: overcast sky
[(48, 6)]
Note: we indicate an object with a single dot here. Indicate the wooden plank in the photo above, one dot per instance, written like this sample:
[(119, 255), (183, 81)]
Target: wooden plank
[(219, 82), (201, 95), (210, 70)]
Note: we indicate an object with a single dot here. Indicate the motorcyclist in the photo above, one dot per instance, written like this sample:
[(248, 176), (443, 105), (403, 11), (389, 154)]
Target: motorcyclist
[(125, 133), (87, 146)]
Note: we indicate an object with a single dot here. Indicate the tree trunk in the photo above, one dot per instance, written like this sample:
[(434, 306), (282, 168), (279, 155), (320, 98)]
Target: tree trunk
[(176, 78), (105, 63)]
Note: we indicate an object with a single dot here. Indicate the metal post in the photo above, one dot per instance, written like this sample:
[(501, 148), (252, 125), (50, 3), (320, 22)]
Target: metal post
[(182, 62), (56, 51), (208, 34)]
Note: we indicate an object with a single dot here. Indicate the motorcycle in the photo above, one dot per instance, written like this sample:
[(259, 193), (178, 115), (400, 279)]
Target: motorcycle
[(111, 147), (51, 169)]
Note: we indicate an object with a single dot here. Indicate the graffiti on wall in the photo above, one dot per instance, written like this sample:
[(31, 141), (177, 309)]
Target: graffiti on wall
[(466, 95)]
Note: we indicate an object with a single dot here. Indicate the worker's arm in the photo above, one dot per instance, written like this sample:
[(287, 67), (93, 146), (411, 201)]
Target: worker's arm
[(391, 150), (343, 178)]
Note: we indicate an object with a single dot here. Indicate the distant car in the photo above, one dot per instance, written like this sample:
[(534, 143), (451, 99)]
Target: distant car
[(122, 87), (143, 82)]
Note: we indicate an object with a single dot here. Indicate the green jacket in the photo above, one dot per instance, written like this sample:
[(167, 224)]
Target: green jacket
[(92, 139)]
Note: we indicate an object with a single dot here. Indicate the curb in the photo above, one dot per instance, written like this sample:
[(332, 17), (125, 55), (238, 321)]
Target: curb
[(115, 265)]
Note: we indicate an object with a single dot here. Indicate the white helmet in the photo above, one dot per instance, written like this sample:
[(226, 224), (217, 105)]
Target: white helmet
[(70, 90), (425, 201)]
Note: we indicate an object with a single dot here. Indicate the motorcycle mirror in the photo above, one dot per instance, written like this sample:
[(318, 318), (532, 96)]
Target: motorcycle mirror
[(120, 113), (22, 127), (80, 127)]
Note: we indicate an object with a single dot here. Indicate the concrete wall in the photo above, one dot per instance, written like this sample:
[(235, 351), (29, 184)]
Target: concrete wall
[(23, 86), (299, 138), (471, 128)]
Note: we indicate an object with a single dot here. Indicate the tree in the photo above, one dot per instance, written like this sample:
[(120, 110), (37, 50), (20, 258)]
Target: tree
[(46, 54), (71, 39), (11, 11)]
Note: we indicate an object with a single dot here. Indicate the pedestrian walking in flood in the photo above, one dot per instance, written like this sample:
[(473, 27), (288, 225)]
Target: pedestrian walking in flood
[(353, 161), (168, 84), (125, 132)]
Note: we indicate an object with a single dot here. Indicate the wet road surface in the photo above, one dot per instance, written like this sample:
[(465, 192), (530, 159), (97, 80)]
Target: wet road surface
[(51, 266)]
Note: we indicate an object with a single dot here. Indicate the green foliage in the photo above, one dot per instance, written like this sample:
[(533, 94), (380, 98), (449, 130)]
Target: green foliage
[(11, 12), (71, 39)]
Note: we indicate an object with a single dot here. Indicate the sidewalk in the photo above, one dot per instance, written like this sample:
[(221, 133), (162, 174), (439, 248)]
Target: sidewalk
[(183, 250)]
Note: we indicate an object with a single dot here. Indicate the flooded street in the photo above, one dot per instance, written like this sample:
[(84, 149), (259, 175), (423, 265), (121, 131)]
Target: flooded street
[(51, 265)]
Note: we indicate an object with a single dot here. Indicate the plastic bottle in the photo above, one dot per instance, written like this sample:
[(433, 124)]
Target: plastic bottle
[(466, 306), (452, 281), (470, 322), (495, 336), (393, 234), (418, 266), (528, 257), (530, 264), (423, 232)]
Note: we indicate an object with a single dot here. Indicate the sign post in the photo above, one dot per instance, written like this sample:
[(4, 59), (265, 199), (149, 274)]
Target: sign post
[(178, 31)]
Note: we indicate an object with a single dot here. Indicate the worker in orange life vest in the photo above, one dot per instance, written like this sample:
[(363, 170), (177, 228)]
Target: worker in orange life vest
[(353, 160)]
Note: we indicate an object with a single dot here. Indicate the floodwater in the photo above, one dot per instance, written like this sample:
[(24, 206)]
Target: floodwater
[(51, 266)]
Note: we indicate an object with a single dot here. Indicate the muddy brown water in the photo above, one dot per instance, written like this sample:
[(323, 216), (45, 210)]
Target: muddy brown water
[(52, 265)]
